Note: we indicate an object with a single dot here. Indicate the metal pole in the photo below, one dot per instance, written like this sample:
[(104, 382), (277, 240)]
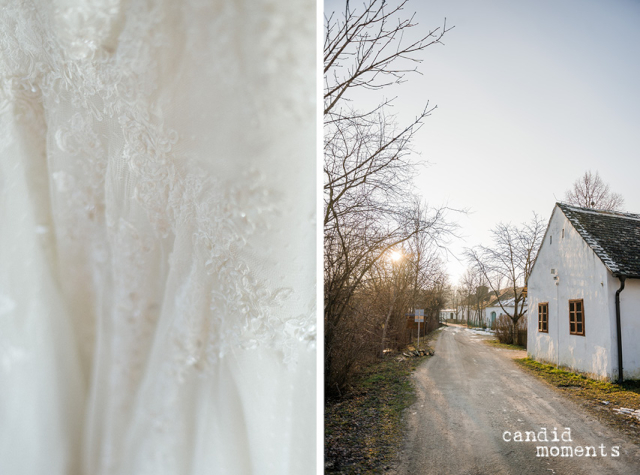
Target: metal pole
[(418, 333), (557, 322), (619, 328)]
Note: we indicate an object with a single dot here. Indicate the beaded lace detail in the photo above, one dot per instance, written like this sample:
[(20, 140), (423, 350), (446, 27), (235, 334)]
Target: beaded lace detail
[(95, 77), (155, 162)]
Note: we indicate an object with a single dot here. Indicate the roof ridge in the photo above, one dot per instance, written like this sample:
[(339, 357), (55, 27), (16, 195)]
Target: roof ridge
[(616, 214)]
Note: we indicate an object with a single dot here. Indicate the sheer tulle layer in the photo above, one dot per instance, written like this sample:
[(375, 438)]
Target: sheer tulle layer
[(157, 245)]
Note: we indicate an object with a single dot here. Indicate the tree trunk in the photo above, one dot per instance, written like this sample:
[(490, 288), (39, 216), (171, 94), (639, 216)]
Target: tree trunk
[(514, 331), (384, 328)]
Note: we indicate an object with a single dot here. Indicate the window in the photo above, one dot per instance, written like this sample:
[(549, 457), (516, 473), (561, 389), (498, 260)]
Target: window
[(562, 233), (543, 317), (576, 317), (550, 239)]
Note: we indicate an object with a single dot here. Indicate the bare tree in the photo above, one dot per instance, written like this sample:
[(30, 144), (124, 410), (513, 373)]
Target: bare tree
[(353, 258), (431, 282), (366, 152), (480, 300), (455, 300), (589, 191), (369, 207), (376, 316), (395, 274), (473, 288), (508, 262)]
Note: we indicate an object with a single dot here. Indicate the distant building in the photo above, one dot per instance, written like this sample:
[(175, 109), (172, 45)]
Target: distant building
[(448, 314), (587, 258), (486, 312), (493, 309)]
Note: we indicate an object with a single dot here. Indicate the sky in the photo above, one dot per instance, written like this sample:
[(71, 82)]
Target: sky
[(529, 95)]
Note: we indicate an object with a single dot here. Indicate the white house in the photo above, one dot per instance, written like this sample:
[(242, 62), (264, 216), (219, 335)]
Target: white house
[(448, 314), (491, 309), (495, 310), (587, 259)]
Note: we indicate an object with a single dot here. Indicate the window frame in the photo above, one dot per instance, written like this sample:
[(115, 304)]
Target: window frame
[(573, 317), (544, 320)]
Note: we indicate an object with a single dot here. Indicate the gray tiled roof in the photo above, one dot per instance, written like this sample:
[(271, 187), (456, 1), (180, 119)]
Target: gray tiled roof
[(613, 236)]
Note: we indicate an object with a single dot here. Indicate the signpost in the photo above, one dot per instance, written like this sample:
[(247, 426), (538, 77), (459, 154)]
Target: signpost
[(419, 315)]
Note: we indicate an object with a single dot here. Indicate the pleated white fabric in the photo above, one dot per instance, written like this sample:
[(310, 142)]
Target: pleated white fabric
[(157, 237)]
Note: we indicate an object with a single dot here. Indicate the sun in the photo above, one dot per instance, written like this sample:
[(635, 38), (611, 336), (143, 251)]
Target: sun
[(395, 256)]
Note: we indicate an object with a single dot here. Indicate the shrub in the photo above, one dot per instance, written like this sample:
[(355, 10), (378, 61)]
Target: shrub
[(505, 334)]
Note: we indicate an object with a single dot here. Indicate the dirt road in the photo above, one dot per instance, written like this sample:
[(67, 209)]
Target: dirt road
[(472, 402)]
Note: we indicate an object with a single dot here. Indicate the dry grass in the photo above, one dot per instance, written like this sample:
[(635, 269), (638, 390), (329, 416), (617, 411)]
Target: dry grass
[(364, 431), (601, 398)]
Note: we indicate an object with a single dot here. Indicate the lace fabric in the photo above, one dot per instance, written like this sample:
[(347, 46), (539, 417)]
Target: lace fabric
[(157, 246)]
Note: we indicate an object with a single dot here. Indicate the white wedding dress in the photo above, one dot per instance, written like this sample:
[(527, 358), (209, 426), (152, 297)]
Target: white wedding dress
[(157, 237)]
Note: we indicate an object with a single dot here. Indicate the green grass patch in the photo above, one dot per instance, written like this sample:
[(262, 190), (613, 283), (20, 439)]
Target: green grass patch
[(364, 432), (506, 346), (626, 394)]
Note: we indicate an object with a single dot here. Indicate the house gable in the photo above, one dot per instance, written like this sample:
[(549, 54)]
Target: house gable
[(613, 236), (563, 246)]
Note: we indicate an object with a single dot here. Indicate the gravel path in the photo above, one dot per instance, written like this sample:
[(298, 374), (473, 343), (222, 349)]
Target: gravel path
[(470, 394)]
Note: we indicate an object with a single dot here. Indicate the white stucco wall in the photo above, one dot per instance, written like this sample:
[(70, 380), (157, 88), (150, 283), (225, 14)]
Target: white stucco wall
[(630, 324), (499, 311), (582, 275), (447, 313), (485, 314)]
